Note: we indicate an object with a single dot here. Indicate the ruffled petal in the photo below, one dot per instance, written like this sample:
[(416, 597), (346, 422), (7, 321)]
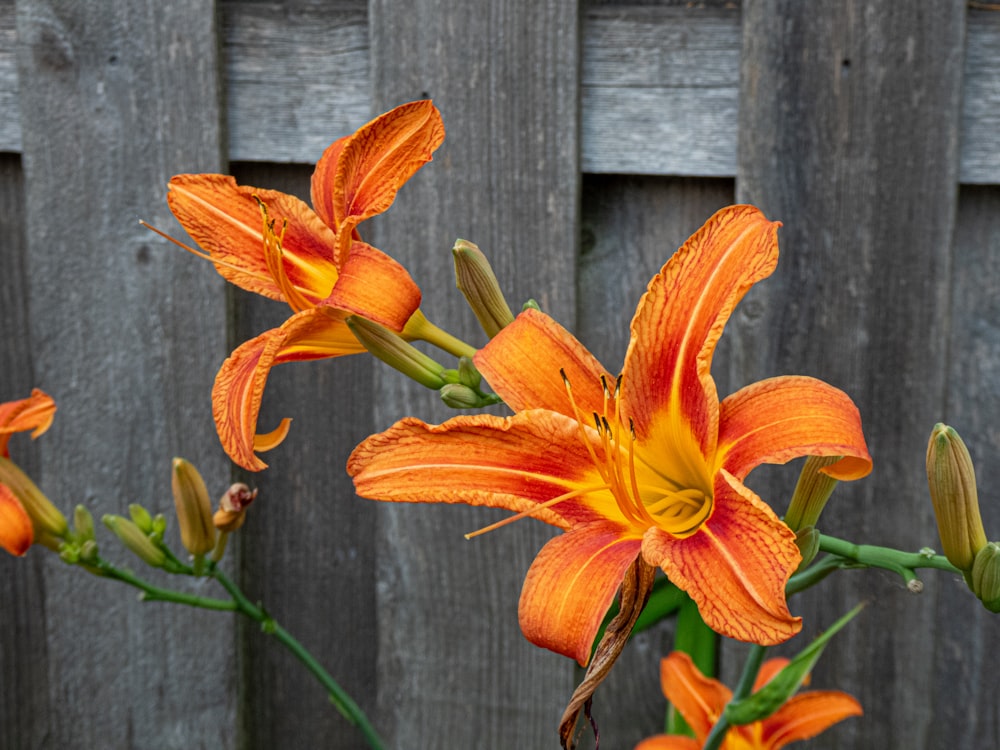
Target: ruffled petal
[(377, 160), (679, 320), (519, 463), (776, 420), (225, 220), (699, 699), (322, 181), (806, 715), (33, 413), (522, 364), (16, 531), (570, 585), (376, 287), (735, 567), (317, 333)]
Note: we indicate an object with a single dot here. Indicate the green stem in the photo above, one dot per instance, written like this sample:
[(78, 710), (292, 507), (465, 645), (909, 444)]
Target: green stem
[(815, 573), (418, 327), (151, 593), (750, 669)]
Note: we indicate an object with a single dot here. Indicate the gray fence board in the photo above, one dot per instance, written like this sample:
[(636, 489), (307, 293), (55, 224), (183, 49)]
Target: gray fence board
[(507, 178), (116, 99), (861, 297)]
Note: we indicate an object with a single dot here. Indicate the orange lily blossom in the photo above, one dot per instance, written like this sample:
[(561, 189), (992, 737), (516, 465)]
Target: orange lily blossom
[(274, 244), (33, 413), (648, 464), (701, 701)]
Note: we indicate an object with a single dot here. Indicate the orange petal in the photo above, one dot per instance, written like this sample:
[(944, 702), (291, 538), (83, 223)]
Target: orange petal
[(518, 463), (806, 715), (33, 413), (16, 531), (376, 287), (225, 219), (668, 742), (699, 699), (239, 384), (360, 178), (735, 567), (779, 419), (570, 585), (522, 364), (680, 318)]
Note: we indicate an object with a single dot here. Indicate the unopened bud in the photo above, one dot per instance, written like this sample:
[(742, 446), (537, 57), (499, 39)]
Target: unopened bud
[(194, 509), (807, 540), (475, 279), (48, 521), (986, 576), (951, 479), (141, 518), (811, 492), (396, 352), (83, 524), (468, 374), (459, 396), (233, 507), (137, 542)]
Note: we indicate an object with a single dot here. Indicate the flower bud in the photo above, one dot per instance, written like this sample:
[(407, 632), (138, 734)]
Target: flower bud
[(459, 396), (83, 524), (194, 509), (138, 543), (951, 479), (811, 493), (141, 518), (48, 521), (468, 374), (807, 540), (396, 352), (986, 576), (233, 507), (475, 279)]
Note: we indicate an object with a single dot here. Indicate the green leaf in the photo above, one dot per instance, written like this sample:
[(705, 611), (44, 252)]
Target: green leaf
[(773, 695)]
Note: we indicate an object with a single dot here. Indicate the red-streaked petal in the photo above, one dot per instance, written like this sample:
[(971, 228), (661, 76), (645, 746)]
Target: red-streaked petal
[(376, 287), (225, 220), (517, 463), (699, 699), (322, 181), (33, 413), (735, 567), (522, 364), (806, 715), (776, 420), (668, 742), (379, 158), (570, 585), (16, 531), (680, 318), (239, 385)]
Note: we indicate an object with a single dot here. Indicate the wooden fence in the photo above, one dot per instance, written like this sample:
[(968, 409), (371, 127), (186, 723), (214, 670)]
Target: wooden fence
[(585, 142)]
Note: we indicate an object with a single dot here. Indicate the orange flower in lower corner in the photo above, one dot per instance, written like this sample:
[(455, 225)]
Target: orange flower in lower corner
[(35, 413), (274, 244), (649, 463), (701, 701)]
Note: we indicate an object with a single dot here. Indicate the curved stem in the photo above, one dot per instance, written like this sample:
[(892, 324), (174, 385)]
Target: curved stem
[(151, 593), (418, 327), (750, 669), (888, 558)]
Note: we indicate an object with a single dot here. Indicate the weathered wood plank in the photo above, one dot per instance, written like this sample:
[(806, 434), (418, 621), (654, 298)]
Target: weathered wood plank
[(10, 121), (659, 86), (860, 298), (965, 657), (114, 99), (631, 226), (309, 550), (454, 669)]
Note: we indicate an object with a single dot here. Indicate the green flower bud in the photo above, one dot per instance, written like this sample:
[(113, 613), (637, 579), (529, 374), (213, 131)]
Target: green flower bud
[(807, 540), (459, 396), (141, 518), (475, 279), (986, 576), (83, 524), (951, 479), (396, 352), (468, 374), (811, 493), (48, 521), (138, 543), (194, 509)]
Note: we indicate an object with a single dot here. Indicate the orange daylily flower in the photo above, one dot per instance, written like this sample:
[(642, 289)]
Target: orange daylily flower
[(34, 413), (650, 463), (274, 244), (701, 701)]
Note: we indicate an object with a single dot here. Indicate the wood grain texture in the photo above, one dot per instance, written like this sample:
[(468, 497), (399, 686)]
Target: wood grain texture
[(631, 227), (454, 669), (860, 298), (308, 547), (114, 99)]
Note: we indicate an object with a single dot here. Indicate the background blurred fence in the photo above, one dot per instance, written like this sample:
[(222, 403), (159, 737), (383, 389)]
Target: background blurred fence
[(585, 142)]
